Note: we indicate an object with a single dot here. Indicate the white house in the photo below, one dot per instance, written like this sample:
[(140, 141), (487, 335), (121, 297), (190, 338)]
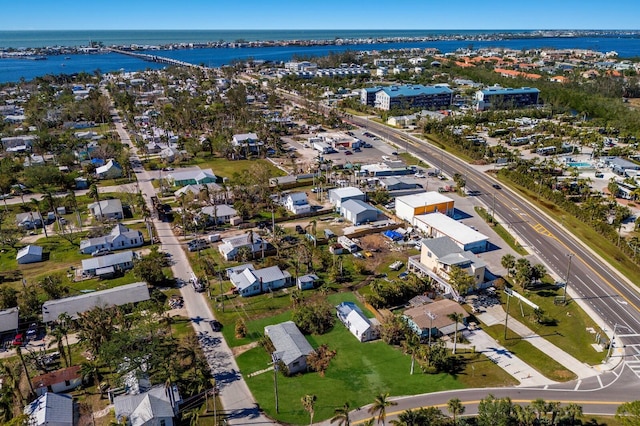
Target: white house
[(109, 264), (107, 209), (307, 282), (339, 195), (58, 381), (119, 238), (111, 170), (250, 281), (230, 246), (156, 407), (29, 254), (248, 141), (356, 322), (290, 345), (296, 202), (50, 409)]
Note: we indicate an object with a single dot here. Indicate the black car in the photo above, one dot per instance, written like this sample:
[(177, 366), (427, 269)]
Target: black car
[(496, 186), (299, 229), (215, 325)]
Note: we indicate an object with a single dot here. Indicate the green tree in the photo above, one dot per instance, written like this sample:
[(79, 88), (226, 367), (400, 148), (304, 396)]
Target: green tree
[(461, 280), (455, 407), (379, 407), (494, 411), (456, 317), (628, 414), (341, 415), (149, 267), (508, 262), (573, 411)]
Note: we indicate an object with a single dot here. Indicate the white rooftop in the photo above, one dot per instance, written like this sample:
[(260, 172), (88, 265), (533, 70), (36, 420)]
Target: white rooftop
[(424, 199), (455, 230)]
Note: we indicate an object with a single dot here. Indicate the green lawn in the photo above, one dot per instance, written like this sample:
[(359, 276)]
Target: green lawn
[(357, 373), (502, 233), (570, 333), (226, 168)]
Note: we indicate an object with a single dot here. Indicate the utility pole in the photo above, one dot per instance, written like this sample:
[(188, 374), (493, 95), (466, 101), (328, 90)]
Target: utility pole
[(506, 318), (431, 318), (566, 279), (275, 359)]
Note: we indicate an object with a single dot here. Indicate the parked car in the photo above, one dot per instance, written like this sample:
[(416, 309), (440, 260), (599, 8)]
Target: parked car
[(348, 153), (101, 252), (299, 229), (197, 245), (18, 340)]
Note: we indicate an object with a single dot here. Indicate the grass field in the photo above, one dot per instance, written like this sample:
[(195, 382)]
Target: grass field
[(226, 168)]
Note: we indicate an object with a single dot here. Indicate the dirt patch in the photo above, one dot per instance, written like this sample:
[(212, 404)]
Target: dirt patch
[(239, 350)]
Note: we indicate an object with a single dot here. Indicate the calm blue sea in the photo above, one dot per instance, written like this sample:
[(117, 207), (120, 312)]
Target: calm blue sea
[(15, 69)]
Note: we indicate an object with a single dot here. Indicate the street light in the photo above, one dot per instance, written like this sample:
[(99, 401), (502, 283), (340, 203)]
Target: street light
[(612, 339), (566, 280)]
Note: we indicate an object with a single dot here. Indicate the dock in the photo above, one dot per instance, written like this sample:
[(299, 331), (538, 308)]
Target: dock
[(158, 59)]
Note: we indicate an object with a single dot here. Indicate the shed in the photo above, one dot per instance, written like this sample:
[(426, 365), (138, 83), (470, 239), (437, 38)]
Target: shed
[(307, 282), (29, 254), (357, 211)]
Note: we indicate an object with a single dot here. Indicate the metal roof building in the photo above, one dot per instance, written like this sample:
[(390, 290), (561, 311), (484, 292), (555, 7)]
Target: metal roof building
[(117, 296), (436, 225), (290, 345), (9, 320)]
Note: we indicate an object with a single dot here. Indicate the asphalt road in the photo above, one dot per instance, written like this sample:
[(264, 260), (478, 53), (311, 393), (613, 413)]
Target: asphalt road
[(239, 405), (614, 299)]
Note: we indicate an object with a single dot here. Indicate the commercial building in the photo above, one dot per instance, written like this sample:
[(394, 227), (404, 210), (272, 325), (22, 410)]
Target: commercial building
[(504, 98), (410, 206), (436, 225), (358, 212), (407, 96), (340, 195)]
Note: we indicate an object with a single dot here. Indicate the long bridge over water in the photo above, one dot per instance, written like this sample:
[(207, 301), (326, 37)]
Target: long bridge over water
[(158, 59)]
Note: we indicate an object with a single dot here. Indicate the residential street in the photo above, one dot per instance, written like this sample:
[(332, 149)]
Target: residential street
[(239, 404)]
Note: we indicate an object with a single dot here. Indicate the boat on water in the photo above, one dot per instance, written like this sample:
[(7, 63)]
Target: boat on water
[(66, 58), (36, 58)]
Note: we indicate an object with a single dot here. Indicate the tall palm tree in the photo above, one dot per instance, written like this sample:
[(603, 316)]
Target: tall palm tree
[(94, 193), (508, 262), (341, 415), (455, 407), (456, 317), (309, 403), (573, 411), (525, 416), (26, 371), (64, 324), (379, 406), (412, 346)]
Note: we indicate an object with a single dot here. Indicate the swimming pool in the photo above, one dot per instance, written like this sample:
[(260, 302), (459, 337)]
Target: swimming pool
[(579, 165)]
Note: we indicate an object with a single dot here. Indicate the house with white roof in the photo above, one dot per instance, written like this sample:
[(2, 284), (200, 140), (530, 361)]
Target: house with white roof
[(108, 265), (196, 190), (51, 409), (250, 281), (290, 345), (409, 206), (75, 305), (307, 282), (220, 213), (119, 238), (29, 254), (339, 195), (230, 246), (191, 177), (111, 170), (358, 212), (107, 209), (247, 141), (156, 407), (9, 319), (357, 323), (297, 203), (436, 225), (18, 143)]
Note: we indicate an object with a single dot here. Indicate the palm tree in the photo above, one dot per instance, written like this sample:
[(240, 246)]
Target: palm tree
[(379, 406), (341, 415), (412, 346), (407, 418), (540, 407), (26, 372), (309, 402), (64, 324), (455, 407), (95, 194), (573, 411), (508, 262), (456, 317), (525, 416)]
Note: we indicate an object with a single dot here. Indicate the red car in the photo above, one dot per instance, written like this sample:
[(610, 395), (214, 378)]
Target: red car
[(18, 340)]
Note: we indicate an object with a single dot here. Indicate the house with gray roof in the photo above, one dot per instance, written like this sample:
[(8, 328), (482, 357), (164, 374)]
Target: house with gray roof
[(358, 212), (108, 265), (297, 203), (111, 170), (157, 406), (248, 141), (30, 220), (9, 319), (250, 281), (307, 282), (230, 246), (290, 345), (338, 196), (116, 296), (119, 238), (357, 323), (221, 213), (51, 409), (107, 210)]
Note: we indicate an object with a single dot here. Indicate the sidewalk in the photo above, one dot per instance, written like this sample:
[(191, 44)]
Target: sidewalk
[(496, 315)]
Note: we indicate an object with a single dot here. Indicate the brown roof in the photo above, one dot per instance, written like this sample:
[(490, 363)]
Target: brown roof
[(440, 309), (58, 376)]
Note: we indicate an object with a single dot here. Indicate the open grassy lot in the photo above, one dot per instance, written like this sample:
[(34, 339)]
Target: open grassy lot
[(537, 359), (226, 168), (502, 233), (570, 329)]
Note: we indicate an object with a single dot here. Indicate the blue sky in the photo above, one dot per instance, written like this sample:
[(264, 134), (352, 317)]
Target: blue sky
[(319, 14)]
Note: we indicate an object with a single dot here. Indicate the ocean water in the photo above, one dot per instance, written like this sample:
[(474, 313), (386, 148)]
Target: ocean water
[(12, 70)]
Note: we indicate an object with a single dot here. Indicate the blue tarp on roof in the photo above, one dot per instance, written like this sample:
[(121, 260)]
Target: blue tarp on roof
[(97, 161), (392, 235)]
